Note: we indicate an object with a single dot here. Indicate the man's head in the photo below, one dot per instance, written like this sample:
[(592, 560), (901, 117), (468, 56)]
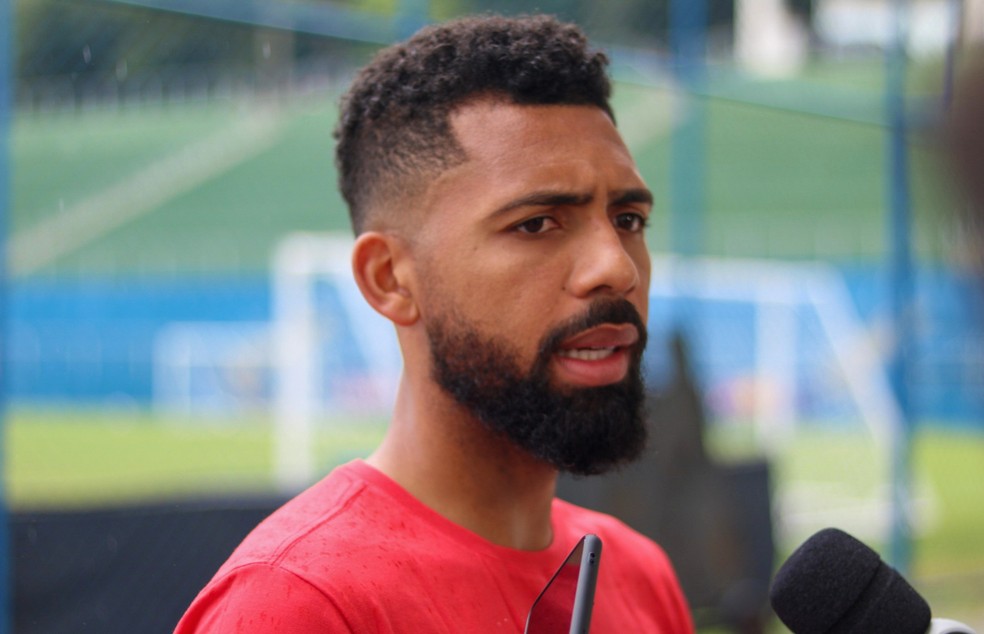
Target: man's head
[(394, 133), (519, 286), (963, 146)]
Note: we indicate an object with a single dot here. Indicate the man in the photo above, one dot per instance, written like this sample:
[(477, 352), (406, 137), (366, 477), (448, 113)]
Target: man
[(499, 221)]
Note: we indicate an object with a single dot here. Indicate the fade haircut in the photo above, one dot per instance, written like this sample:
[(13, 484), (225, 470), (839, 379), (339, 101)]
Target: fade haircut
[(394, 133)]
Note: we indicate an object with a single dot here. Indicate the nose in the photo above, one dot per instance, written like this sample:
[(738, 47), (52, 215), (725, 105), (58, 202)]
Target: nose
[(603, 264)]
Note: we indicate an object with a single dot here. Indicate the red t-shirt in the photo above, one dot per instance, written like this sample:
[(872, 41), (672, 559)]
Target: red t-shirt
[(357, 553)]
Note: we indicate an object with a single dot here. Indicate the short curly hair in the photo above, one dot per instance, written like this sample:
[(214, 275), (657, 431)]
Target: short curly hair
[(394, 131)]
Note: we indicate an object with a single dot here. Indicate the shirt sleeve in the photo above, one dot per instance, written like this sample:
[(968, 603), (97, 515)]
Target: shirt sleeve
[(261, 598)]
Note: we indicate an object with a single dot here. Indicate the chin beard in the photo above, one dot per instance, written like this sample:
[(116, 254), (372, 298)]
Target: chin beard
[(583, 431)]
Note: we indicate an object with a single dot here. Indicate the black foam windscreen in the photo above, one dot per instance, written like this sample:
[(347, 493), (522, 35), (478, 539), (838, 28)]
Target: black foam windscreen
[(834, 584)]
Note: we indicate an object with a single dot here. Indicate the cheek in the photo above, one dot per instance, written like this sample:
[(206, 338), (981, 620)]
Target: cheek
[(641, 294), (518, 308), (531, 285), (496, 301)]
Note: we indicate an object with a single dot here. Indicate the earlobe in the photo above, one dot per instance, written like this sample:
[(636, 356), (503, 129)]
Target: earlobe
[(378, 264)]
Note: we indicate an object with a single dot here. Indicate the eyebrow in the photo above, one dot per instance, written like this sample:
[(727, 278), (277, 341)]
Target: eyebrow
[(545, 199), (551, 198), (635, 195)]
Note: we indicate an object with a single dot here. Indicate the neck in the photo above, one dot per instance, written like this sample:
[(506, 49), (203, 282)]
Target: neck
[(441, 455)]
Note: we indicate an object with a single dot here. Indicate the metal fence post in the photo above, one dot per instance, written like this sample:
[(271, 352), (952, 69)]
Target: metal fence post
[(6, 110), (900, 271)]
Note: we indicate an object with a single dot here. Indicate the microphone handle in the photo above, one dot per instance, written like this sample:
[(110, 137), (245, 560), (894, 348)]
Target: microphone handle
[(946, 626)]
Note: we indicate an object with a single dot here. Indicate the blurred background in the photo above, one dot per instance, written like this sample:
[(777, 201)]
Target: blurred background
[(183, 347)]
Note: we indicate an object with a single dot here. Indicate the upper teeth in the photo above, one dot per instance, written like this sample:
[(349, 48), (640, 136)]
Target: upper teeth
[(587, 354)]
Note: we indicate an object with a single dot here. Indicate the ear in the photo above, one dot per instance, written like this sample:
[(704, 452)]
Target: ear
[(380, 263)]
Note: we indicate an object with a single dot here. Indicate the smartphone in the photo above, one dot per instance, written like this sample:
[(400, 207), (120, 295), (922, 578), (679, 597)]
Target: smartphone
[(565, 603)]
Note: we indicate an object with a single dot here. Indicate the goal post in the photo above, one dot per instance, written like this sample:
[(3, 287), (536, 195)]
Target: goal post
[(319, 315)]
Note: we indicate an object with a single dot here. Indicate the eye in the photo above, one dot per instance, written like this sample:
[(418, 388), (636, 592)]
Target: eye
[(630, 221), (540, 224)]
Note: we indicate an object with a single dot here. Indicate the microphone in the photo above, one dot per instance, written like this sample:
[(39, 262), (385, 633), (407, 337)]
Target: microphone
[(834, 584)]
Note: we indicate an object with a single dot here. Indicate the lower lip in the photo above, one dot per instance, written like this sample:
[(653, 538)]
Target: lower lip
[(611, 369)]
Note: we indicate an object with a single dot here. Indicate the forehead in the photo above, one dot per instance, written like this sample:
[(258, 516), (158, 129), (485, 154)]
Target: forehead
[(512, 149), (492, 120)]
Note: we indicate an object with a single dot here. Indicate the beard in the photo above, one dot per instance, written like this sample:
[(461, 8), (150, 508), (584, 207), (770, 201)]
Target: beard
[(583, 431)]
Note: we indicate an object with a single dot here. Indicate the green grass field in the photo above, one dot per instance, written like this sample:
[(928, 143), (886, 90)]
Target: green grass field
[(794, 169), (65, 459)]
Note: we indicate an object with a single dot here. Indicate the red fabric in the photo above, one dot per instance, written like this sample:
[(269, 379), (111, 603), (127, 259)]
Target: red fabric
[(357, 553)]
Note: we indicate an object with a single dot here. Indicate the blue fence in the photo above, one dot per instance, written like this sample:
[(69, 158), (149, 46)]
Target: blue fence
[(91, 341)]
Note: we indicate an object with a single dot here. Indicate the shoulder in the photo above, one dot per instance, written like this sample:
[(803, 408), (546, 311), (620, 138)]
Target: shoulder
[(317, 514), (293, 570), (259, 597), (342, 553)]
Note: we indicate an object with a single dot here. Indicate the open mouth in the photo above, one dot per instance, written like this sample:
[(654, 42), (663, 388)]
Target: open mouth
[(599, 342), (597, 356), (588, 354)]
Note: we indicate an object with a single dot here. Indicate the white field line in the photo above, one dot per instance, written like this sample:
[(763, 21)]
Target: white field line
[(140, 193), (649, 118)]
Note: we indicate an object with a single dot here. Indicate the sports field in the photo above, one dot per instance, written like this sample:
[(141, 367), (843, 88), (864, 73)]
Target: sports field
[(794, 169)]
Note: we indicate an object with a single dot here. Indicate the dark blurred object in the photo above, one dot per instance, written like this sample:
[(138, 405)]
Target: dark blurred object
[(835, 583), (713, 520), (121, 570), (963, 147)]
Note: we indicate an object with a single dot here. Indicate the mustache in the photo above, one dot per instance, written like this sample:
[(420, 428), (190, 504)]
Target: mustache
[(602, 311)]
